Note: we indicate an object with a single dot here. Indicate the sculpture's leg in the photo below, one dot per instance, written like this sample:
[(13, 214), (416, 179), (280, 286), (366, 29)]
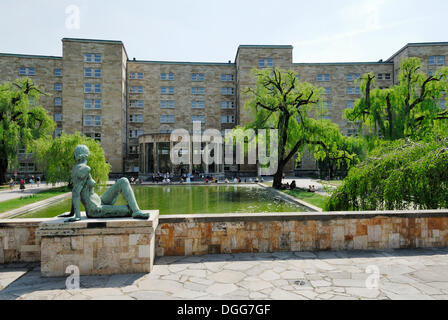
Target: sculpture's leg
[(124, 187), (108, 211)]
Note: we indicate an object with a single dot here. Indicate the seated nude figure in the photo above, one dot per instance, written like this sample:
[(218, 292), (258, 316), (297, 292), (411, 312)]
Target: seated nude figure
[(96, 206)]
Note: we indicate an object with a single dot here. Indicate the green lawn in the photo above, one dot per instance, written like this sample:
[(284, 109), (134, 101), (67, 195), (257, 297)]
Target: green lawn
[(334, 183), (29, 199), (313, 198)]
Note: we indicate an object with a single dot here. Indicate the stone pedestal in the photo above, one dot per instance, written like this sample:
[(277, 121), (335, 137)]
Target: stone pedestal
[(98, 246)]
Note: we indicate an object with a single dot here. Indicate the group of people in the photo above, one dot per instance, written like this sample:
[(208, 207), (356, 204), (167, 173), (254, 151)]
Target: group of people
[(22, 183), (288, 186)]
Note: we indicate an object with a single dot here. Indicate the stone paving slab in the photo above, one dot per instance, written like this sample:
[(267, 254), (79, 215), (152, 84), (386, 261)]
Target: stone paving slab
[(403, 274)]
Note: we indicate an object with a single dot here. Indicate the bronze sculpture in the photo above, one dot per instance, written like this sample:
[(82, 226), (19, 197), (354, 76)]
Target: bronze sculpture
[(96, 206)]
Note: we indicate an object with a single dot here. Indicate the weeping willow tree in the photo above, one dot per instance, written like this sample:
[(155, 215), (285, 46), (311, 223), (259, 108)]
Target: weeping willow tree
[(406, 127), (399, 175), (22, 120), (410, 109), (280, 101), (55, 157)]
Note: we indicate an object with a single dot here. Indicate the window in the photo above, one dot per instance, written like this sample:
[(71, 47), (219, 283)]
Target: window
[(136, 103), (87, 103), (135, 133), (58, 101), (97, 87), (432, 60), (166, 76), (167, 104), (265, 63), (58, 72), (88, 121), (166, 90), (57, 133), (352, 132), (137, 75), (380, 76), (97, 120), (87, 88), (441, 60), (227, 91), (327, 90), (27, 71), (200, 118), (58, 117), (353, 76), (350, 104), (87, 72), (133, 149), (98, 104), (32, 101), (166, 130), (96, 136), (97, 73), (93, 57), (198, 91), (136, 118), (197, 104), (166, 118), (387, 76), (58, 87), (197, 77), (136, 89), (227, 105), (323, 77), (353, 90), (227, 77), (431, 73), (327, 104), (227, 119)]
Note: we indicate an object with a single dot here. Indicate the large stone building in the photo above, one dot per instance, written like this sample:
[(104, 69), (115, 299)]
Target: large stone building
[(131, 106)]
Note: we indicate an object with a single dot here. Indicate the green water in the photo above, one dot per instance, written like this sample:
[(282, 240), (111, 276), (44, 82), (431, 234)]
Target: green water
[(194, 200)]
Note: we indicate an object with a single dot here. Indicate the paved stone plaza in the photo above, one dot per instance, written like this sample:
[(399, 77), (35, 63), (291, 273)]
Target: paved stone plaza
[(405, 274)]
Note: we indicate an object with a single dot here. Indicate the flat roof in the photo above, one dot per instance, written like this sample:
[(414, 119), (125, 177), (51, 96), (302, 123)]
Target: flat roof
[(31, 56), (417, 44), (92, 40)]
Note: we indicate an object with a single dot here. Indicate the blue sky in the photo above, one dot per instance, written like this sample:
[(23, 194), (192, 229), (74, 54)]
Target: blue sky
[(211, 30)]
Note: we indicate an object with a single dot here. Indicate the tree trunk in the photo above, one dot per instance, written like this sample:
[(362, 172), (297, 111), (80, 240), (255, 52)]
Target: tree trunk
[(278, 177), (3, 171)]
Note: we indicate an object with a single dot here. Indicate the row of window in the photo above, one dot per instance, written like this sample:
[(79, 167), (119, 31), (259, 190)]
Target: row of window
[(92, 73), (92, 88), (194, 90), (166, 104), (171, 76), (266, 62), (439, 60), (93, 57)]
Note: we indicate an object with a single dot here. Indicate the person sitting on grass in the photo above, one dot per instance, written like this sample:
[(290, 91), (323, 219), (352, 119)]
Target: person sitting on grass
[(293, 185)]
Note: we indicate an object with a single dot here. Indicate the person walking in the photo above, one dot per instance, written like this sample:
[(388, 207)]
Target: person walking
[(22, 184), (38, 181), (11, 184)]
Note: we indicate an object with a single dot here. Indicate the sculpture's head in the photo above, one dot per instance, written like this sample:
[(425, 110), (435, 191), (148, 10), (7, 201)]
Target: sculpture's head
[(81, 153)]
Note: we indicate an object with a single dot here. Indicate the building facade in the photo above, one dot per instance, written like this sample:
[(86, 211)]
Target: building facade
[(131, 106)]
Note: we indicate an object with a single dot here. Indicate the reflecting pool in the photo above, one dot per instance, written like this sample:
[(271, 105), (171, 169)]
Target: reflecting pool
[(194, 200)]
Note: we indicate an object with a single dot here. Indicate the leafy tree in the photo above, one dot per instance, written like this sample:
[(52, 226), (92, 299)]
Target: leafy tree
[(279, 101), (21, 120), (56, 158), (410, 109), (398, 175)]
